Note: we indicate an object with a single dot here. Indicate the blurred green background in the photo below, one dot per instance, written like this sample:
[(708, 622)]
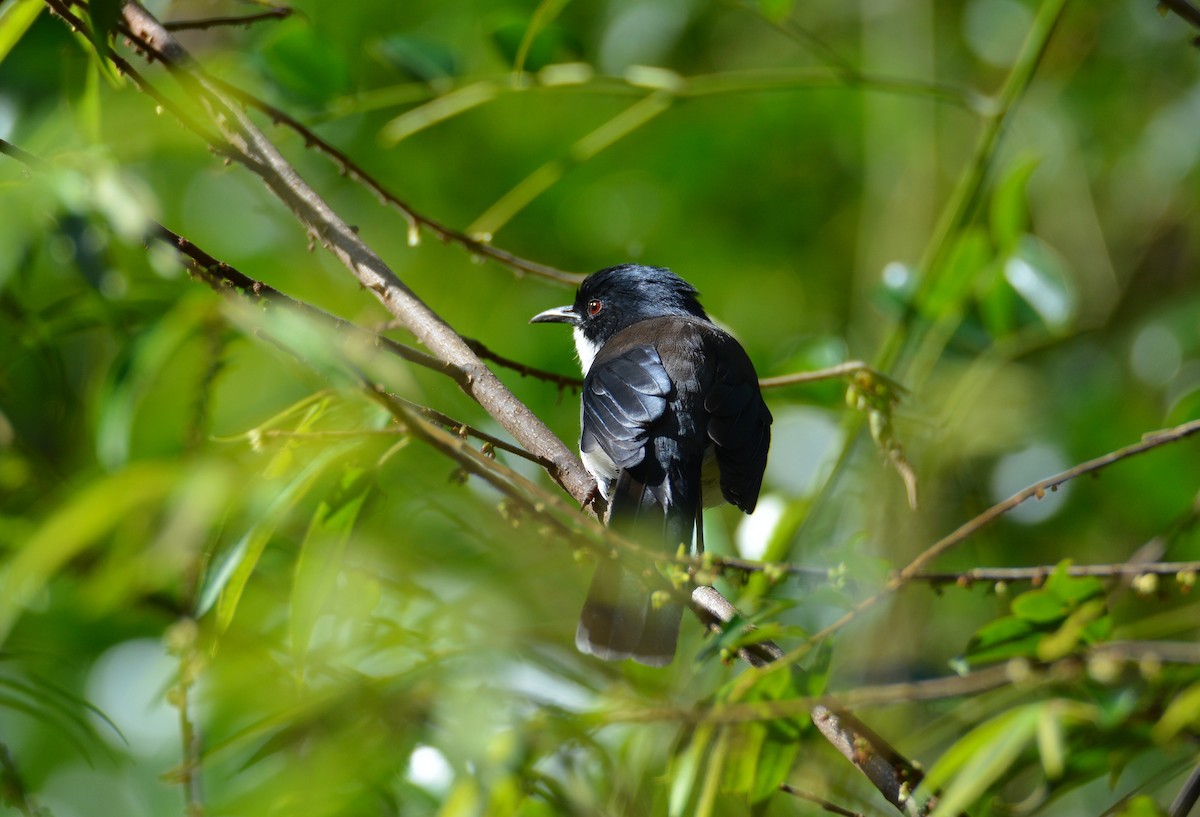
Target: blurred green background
[(995, 201)]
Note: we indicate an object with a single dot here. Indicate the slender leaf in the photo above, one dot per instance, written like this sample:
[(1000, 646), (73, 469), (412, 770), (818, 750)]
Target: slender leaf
[(15, 19), (1182, 713), (78, 523), (746, 742), (154, 350), (318, 566), (1009, 213), (981, 758), (225, 582), (686, 768)]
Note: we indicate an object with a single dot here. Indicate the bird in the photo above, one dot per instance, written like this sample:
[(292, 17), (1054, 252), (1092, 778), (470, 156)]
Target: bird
[(671, 421)]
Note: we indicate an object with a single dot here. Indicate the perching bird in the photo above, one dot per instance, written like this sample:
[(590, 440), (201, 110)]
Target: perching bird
[(672, 421)]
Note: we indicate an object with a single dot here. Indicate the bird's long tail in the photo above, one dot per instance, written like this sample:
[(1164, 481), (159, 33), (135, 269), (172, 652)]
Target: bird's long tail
[(619, 619)]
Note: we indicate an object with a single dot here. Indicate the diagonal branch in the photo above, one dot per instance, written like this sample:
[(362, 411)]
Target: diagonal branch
[(252, 149)]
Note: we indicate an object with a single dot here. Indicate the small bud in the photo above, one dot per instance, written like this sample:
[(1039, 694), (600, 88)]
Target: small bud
[(1104, 669), (1186, 579), (1146, 584), (181, 636)]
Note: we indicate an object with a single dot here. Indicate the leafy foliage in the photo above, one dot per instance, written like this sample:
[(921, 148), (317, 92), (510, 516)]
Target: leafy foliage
[(219, 553)]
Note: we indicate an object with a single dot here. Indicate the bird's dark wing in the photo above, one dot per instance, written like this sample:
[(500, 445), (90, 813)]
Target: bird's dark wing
[(739, 423), (628, 417), (622, 398)]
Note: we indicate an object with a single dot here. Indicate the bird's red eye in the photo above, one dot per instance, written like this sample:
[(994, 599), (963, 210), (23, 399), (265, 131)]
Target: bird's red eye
[(594, 307)]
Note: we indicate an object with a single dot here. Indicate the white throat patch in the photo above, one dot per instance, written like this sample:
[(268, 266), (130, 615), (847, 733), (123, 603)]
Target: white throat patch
[(586, 350)]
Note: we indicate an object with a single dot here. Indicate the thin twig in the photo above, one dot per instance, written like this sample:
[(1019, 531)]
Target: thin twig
[(23, 156), (415, 219), (221, 276), (462, 429), (1039, 573), (850, 75), (962, 578), (561, 380), (833, 808), (272, 13), (831, 373), (191, 766), (1038, 489)]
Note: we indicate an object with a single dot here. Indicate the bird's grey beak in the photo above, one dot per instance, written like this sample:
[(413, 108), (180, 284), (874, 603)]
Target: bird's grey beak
[(559, 314)]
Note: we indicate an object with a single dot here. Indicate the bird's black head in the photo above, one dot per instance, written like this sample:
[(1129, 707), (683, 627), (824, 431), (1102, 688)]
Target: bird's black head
[(614, 298)]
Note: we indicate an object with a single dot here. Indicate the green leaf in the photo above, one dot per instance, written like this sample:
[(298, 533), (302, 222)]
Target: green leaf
[(970, 253), (51, 705), (1073, 590), (1004, 638), (1000, 631), (817, 671), (774, 765), (981, 758), (1051, 746), (422, 59), (40, 716), (1009, 214), (224, 584), (302, 63), (15, 19), (1023, 647), (464, 800), (1141, 805), (90, 513), (1039, 275), (1039, 607), (998, 303), (438, 110), (132, 375), (746, 742), (318, 566), (686, 768), (1066, 638), (713, 775), (1182, 713)]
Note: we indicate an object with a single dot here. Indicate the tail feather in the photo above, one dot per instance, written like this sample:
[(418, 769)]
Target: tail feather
[(619, 619)]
